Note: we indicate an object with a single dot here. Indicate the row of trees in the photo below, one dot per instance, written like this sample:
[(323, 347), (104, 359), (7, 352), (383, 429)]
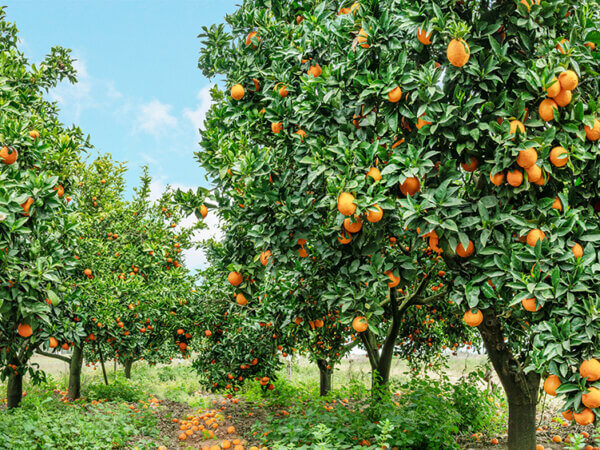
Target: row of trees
[(83, 268), (389, 158)]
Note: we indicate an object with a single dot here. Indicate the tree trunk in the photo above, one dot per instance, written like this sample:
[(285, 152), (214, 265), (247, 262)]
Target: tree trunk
[(14, 390), (74, 391), (127, 364), (102, 362), (521, 389), (325, 377)]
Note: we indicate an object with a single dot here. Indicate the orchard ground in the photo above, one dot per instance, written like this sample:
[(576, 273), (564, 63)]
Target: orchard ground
[(150, 410)]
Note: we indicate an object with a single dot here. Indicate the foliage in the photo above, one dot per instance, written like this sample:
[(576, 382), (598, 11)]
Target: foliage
[(119, 390)]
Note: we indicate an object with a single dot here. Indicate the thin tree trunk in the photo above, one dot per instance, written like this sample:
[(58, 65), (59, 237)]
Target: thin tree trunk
[(102, 363), (127, 364), (325, 376), (521, 389), (14, 390), (74, 391)]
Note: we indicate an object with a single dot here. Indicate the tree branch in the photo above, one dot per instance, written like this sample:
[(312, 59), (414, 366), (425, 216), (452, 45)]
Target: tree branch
[(54, 355)]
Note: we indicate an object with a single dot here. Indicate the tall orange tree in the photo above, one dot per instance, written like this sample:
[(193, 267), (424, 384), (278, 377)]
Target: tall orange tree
[(480, 117), (38, 156)]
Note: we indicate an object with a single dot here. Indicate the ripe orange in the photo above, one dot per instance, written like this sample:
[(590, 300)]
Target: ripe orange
[(527, 158), (87, 272), (591, 399), (235, 278), (374, 214), (547, 108), (374, 173), (529, 304), (250, 36), (237, 92), (283, 92), (551, 384), (458, 52), (568, 415), (26, 205), (534, 236), (345, 204), (514, 177), (264, 257), (590, 369), (240, 299), (557, 439), (394, 280), (315, 70), (302, 134), (410, 186), (530, 3), (344, 237), (353, 227), (24, 330), (497, 179), (564, 98), (423, 37), (203, 211), (585, 417), (8, 156), (593, 134), (422, 122), (276, 127), (555, 156), (516, 125), (471, 166), (360, 324), (460, 250), (395, 95), (53, 342), (568, 80), (534, 174), (557, 204), (577, 251), (473, 319), (554, 88), (362, 38)]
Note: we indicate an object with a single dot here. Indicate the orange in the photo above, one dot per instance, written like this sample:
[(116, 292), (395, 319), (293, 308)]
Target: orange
[(26, 206), (374, 214), (24, 330), (410, 186), (374, 173), (34, 134), (250, 36), (585, 417), (276, 127), (234, 278), (591, 399), (394, 280), (60, 190), (591, 45), (353, 227), (494, 441), (547, 108), (559, 46), (264, 257), (555, 156), (529, 304), (557, 204), (497, 179), (471, 165), (590, 369), (53, 342), (564, 98), (203, 211), (395, 95), (283, 92), (423, 37), (240, 299), (362, 38), (256, 84), (460, 250), (237, 92), (344, 238), (568, 80), (516, 124), (514, 177), (458, 52), (593, 134), (302, 134), (527, 158), (534, 236), (8, 156), (360, 324), (567, 415), (302, 252), (315, 70), (345, 204), (551, 384), (577, 251), (473, 319), (422, 122), (87, 272), (554, 89), (534, 174), (557, 439), (530, 3)]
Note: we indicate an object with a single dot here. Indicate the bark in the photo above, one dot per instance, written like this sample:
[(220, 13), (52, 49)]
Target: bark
[(74, 391), (14, 390), (127, 364), (521, 389), (325, 376), (102, 363)]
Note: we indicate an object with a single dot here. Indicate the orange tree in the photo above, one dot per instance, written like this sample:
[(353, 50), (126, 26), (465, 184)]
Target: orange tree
[(298, 150), (37, 228)]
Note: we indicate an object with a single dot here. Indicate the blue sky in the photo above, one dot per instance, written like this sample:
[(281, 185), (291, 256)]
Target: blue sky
[(140, 94)]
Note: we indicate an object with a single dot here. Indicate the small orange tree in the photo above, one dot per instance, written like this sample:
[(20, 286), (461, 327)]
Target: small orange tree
[(37, 226)]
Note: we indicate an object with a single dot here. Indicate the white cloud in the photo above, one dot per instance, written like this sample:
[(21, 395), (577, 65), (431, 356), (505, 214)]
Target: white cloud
[(197, 116), (155, 118)]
